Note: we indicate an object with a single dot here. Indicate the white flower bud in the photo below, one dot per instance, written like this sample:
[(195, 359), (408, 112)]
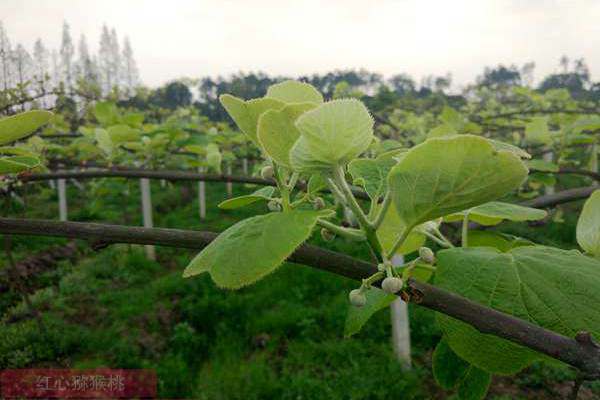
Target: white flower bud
[(426, 255), (267, 172), (327, 235), (391, 284), (319, 203), (357, 298), (273, 206)]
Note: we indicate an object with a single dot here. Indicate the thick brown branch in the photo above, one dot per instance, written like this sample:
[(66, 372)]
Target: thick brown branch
[(582, 354), (564, 196)]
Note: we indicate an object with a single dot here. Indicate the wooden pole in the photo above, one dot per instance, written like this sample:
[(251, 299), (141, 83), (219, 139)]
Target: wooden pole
[(400, 325), (147, 213)]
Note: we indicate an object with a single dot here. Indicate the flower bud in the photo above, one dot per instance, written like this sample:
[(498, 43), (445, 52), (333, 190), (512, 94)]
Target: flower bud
[(319, 203), (391, 284), (267, 172), (273, 206), (426, 255), (327, 235), (357, 298)]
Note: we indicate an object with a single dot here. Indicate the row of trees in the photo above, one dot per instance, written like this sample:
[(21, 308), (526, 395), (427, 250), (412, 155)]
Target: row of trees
[(44, 71)]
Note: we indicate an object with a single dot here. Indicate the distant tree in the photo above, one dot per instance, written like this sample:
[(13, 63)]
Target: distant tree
[(5, 56), (40, 65), (500, 77), (402, 84), (107, 78), (527, 73), (130, 70), (67, 51), (172, 95), (576, 81)]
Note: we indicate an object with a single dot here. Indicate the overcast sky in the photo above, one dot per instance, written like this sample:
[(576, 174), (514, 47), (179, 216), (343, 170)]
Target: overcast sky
[(194, 38)]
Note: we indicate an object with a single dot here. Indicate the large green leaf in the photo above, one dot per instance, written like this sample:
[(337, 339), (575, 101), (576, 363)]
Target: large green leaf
[(294, 92), (104, 142), (537, 132), (475, 384), (263, 194), (501, 241), (106, 113), (588, 226), (122, 133), (253, 248), (447, 367), (277, 131), (371, 174), (494, 212), (444, 175), (17, 164), (246, 113), (334, 133), (358, 316), (556, 289), (18, 126)]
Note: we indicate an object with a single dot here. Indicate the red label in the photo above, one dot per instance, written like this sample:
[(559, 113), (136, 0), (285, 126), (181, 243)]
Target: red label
[(82, 384)]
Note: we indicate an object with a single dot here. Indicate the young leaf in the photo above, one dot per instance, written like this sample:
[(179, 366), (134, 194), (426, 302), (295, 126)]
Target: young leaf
[(104, 142), (494, 212), (20, 125), (294, 92), (371, 174), (334, 133), (448, 368), (106, 113), (122, 133), (542, 166), (263, 194), (277, 131), (497, 240), (392, 227), (246, 113), (17, 164), (517, 151), (474, 385), (253, 248), (358, 316), (552, 288), (537, 132), (588, 225), (316, 183), (444, 175)]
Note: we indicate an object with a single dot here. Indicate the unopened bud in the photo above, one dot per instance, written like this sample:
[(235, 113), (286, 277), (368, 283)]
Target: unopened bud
[(267, 172), (319, 203), (357, 298), (273, 206), (327, 235), (426, 255), (391, 284)]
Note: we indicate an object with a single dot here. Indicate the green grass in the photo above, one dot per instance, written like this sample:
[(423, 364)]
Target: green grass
[(280, 338)]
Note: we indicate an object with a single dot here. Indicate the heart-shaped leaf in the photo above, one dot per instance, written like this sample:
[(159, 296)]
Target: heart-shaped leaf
[(494, 212), (20, 125), (444, 175), (371, 174), (332, 134), (358, 316), (588, 225), (294, 92), (556, 289), (246, 113), (277, 131), (253, 248), (263, 194)]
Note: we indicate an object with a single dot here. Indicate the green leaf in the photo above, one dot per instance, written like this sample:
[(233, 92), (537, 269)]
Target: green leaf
[(452, 118), (253, 248), (122, 133), (106, 113), (316, 183), (294, 92), (588, 225), (277, 131), (334, 133), (392, 227), (371, 174), (519, 152), (17, 164), (494, 212), (442, 130), (475, 384), (537, 132), (104, 142), (497, 240), (556, 289), (543, 166), (444, 175), (358, 316), (20, 125), (448, 368), (263, 194), (246, 113)]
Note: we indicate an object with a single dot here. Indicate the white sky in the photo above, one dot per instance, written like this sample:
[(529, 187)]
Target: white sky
[(194, 38)]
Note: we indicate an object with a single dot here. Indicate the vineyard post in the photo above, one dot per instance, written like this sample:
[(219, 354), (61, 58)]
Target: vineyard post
[(229, 184), (400, 325), (594, 163), (549, 157), (245, 166), (147, 213), (62, 199), (202, 195)]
